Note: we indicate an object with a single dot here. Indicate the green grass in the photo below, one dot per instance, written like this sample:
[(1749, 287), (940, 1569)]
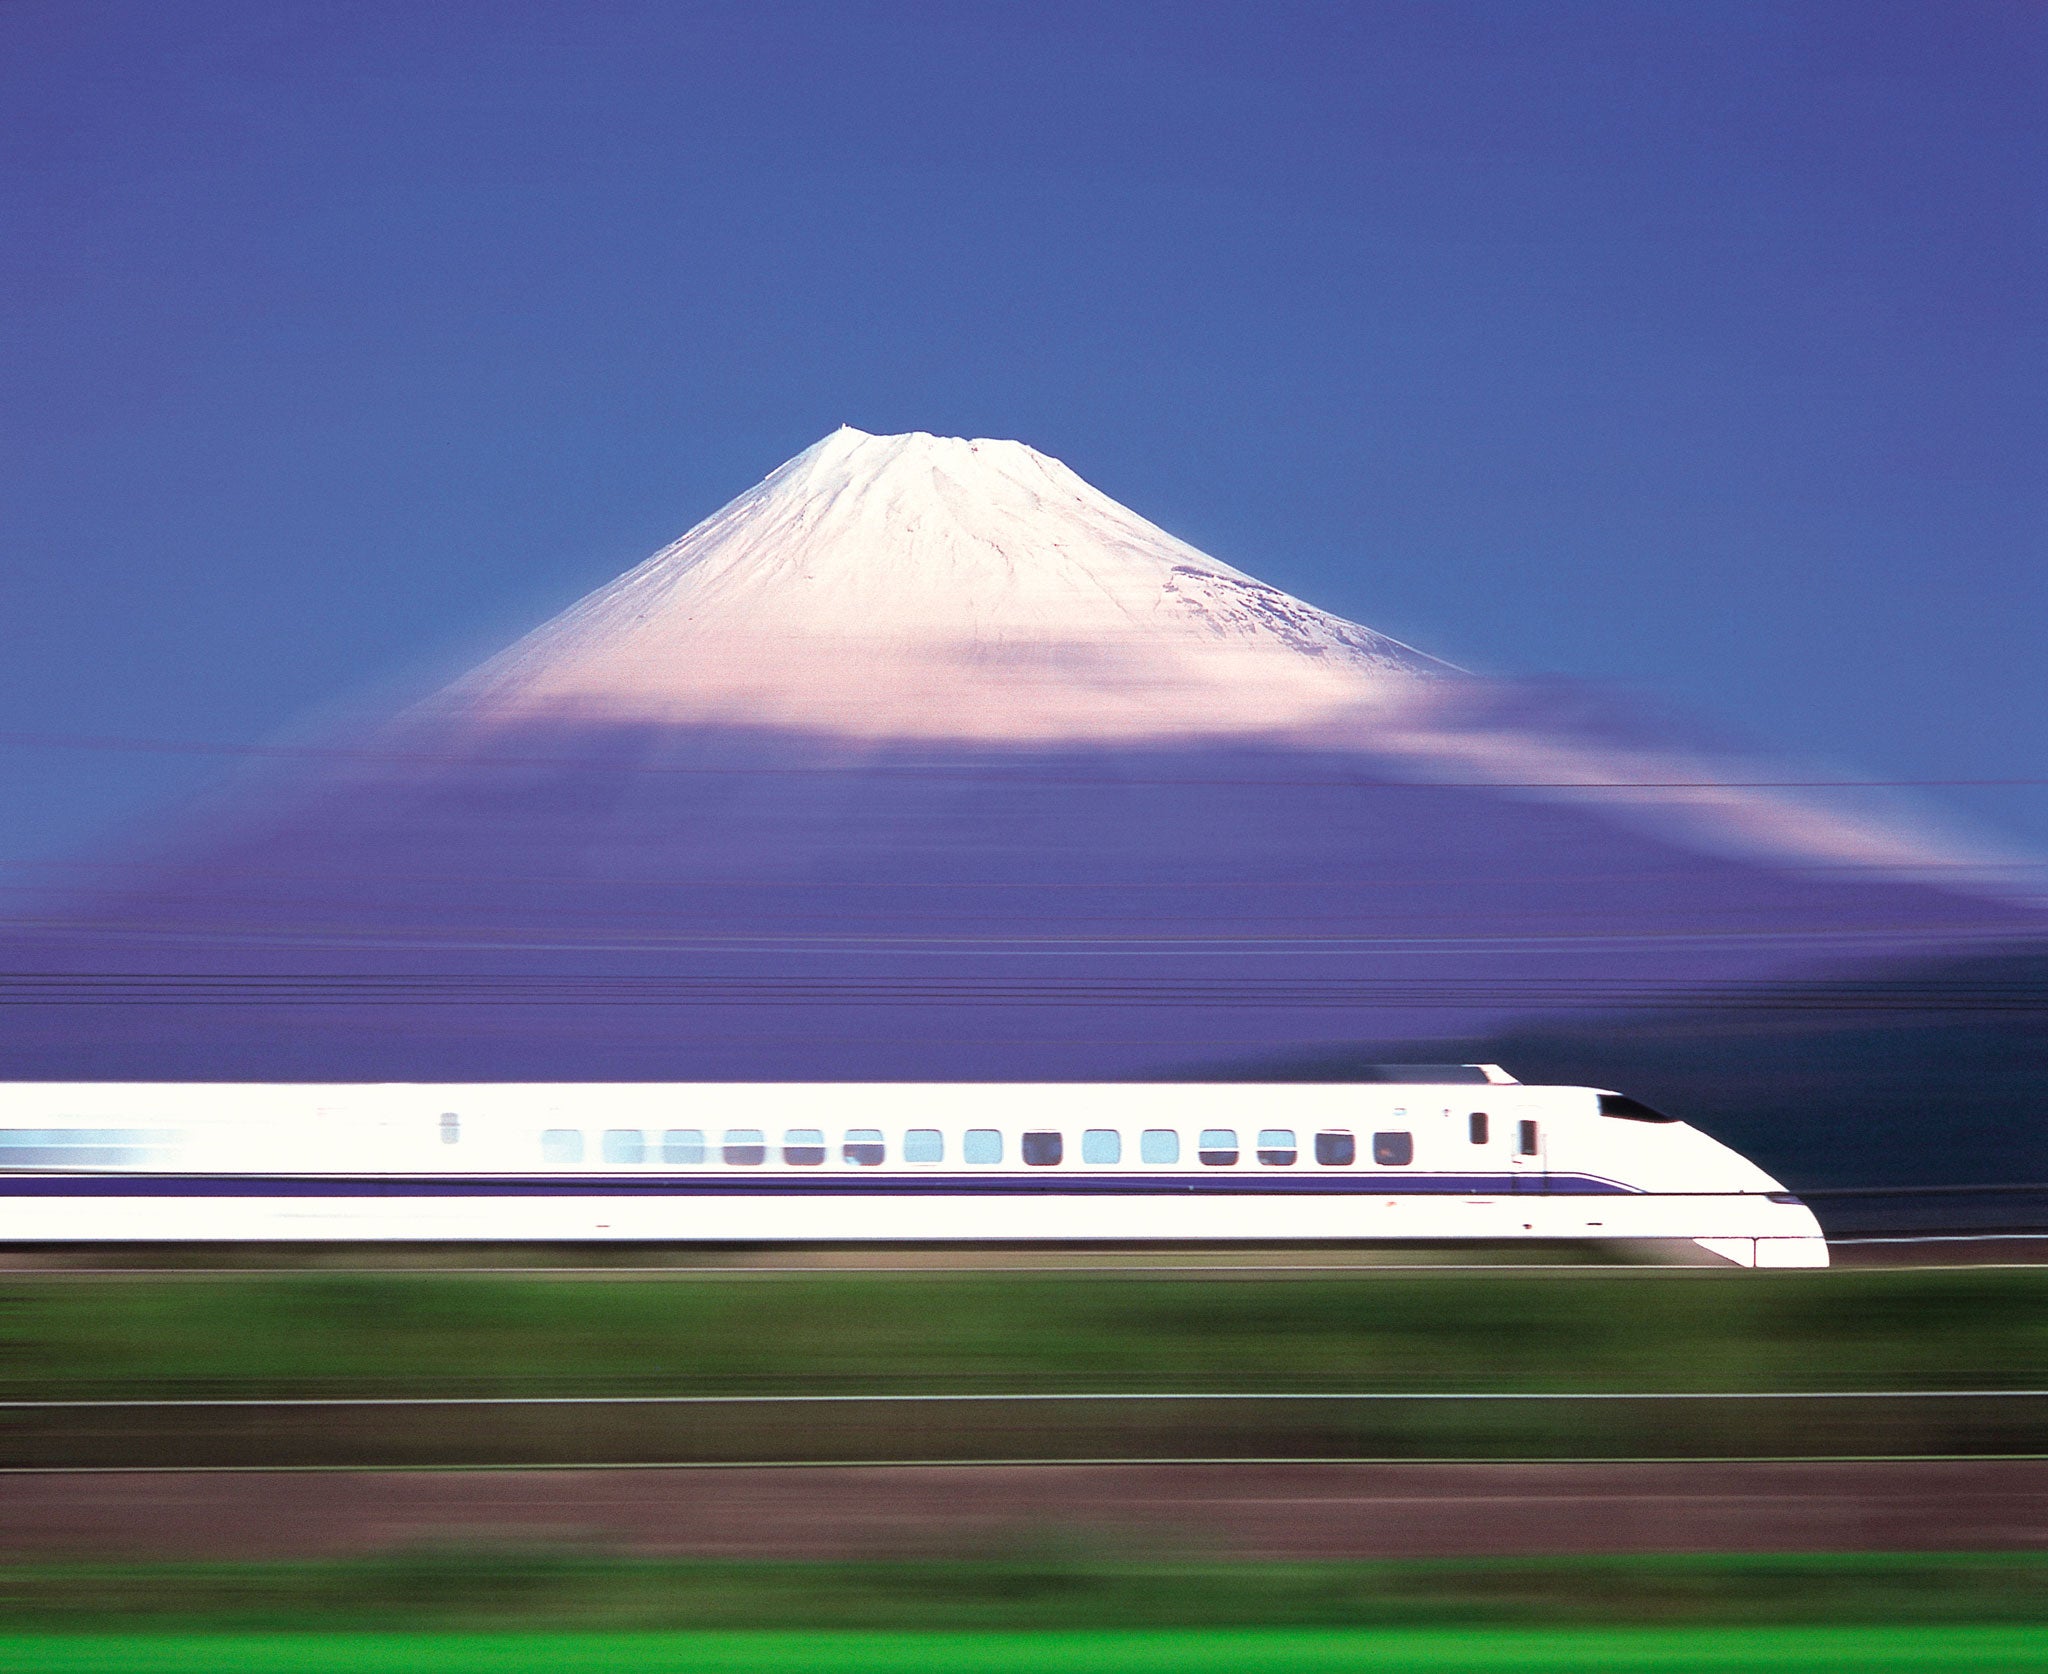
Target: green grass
[(482, 1590), (423, 1333), (260, 1334), (1984, 1650)]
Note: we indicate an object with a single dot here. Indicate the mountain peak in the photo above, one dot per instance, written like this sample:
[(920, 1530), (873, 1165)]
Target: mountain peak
[(935, 586)]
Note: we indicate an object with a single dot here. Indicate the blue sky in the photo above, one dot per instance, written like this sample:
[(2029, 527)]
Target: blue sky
[(1699, 348)]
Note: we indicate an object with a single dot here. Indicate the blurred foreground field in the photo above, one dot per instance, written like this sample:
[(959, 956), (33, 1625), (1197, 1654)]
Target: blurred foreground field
[(757, 1342), (305, 1334), (487, 1589), (1046, 1595), (1959, 1650), (479, 1611)]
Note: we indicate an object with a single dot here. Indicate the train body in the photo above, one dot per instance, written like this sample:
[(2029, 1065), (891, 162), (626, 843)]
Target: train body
[(1465, 1154)]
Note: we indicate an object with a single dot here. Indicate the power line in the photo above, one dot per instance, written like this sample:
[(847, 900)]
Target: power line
[(459, 989)]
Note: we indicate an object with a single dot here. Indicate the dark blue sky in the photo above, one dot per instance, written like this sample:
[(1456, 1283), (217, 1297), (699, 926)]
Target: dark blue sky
[(1697, 347)]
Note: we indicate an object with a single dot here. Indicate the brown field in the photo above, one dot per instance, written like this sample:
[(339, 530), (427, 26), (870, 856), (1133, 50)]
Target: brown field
[(1304, 1511)]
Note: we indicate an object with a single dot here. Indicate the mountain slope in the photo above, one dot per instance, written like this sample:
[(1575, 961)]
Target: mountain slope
[(921, 586), (923, 759)]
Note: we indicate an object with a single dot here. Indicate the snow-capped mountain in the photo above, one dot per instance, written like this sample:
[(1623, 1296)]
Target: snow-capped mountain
[(930, 587), (924, 759)]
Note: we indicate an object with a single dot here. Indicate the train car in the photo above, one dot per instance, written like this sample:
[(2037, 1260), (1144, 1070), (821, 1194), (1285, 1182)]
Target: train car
[(1453, 1153)]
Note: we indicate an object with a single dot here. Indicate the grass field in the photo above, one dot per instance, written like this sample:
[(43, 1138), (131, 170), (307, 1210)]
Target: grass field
[(312, 1334), (1820, 1650), (266, 1334), (485, 1613), (413, 1334), (484, 1590)]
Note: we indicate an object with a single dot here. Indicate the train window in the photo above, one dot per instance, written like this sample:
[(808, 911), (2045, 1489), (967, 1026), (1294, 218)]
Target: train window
[(744, 1147), (561, 1145), (1159, 1145), (1043, 1150), (1527, 1144), (451, 1128), (863, 1147), (1630, 1110), (1393, 1150), (1336, 1149), (623, 1145), (682, 1145), (803, 1147), (81, 1147), (981, 1145), (1477, 1121), (1217, 1147), (1102, 1145), (1276, 1147), (924, 1145)]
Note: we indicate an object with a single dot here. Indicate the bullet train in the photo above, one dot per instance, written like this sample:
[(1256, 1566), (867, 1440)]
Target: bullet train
[(1458, 1153)]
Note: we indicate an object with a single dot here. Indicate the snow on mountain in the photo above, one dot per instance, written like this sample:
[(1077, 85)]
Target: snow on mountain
[(890, 589), (928, 586), (924, 759)]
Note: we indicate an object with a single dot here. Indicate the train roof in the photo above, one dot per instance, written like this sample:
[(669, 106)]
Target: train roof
[(1429, 1075)]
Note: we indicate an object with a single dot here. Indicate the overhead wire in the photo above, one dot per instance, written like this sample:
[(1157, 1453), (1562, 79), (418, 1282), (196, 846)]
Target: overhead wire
[(370, 988)]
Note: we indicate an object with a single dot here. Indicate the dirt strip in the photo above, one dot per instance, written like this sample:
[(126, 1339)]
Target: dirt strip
[(1241, 1510)]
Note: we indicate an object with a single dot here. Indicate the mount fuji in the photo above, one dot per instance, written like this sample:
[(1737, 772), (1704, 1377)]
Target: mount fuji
[(924, 759), (929, 587), (888, 590)]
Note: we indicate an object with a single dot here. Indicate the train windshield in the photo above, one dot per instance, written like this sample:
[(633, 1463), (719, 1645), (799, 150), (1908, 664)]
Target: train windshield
[(1630, 1110)]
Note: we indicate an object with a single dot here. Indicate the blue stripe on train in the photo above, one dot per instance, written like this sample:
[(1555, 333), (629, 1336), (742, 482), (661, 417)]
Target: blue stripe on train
[(813, 1185)]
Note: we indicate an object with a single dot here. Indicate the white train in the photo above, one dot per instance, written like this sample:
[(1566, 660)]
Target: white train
[(1460, 1153)]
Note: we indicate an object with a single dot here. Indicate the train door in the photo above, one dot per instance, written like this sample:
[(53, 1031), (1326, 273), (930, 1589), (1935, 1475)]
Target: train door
[(1527, 1162)]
